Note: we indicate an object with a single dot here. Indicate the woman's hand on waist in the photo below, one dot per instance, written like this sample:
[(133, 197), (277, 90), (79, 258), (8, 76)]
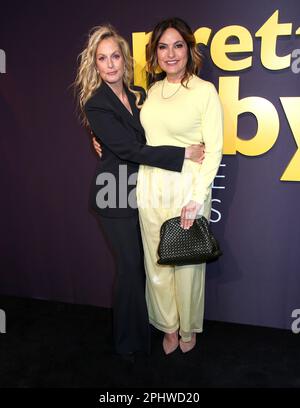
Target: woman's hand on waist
[(97, 146), (195, 152)]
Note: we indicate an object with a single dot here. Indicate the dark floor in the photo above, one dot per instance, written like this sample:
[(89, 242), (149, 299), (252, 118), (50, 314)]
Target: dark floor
[(52, 344)]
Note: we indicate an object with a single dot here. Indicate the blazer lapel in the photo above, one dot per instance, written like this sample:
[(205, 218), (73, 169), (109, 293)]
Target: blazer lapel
[(134, 118)]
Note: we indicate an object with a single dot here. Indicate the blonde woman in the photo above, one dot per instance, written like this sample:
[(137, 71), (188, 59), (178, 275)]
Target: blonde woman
[(110, 108)]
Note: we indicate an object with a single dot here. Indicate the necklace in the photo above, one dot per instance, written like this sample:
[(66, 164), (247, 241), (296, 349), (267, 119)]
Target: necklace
[(162, 91)]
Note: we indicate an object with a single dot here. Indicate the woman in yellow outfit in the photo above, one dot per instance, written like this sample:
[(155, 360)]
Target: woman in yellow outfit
[(181, 109)]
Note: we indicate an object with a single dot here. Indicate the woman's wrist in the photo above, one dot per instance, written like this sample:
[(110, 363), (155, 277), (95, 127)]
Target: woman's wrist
[(187, 154)]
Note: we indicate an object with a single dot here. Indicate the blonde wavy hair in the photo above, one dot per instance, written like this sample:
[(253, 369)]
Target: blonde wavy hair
[(87, 78)]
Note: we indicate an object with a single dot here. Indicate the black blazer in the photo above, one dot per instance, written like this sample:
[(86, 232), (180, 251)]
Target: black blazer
[(123, 148)]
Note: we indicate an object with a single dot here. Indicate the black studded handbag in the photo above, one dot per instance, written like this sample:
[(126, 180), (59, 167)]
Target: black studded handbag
[(191, 246)]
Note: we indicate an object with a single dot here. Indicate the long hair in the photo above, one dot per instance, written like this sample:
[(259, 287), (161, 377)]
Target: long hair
[(87, 78), (194, 61)]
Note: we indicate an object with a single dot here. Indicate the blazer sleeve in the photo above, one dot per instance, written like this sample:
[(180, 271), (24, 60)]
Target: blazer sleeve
[(123, 144)]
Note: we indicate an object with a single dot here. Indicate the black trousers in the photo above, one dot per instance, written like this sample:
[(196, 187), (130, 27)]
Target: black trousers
[(130, 317)]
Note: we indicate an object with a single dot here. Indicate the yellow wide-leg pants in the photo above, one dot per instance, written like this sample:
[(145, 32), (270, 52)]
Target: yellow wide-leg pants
[(174, 294)]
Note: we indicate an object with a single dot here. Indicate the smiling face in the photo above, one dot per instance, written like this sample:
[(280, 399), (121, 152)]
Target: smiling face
[(110, 61), (172, 54)]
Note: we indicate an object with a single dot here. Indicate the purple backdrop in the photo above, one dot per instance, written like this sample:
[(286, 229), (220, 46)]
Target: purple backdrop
[(51, 245)]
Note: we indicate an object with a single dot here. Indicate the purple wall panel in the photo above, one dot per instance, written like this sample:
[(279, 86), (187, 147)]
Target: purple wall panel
[(51, 245)]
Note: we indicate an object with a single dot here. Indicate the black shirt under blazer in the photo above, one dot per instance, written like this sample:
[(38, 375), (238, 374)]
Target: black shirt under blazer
[(123, 143)]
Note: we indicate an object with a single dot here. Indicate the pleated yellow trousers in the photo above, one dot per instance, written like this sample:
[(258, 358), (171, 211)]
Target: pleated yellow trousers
[(174, 294)]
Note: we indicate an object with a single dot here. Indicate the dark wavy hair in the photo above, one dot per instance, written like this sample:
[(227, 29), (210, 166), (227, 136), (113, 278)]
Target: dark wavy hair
[(194, 62)]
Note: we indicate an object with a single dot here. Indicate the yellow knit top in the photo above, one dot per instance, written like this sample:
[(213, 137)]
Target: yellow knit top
[(179, 116)]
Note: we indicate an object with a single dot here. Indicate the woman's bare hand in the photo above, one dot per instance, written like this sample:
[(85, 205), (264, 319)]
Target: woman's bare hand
[(189, 213), (97, 146), (196, 153)]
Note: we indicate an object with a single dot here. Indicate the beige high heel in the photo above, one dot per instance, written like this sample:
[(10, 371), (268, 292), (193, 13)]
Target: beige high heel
[(170, 345), (186, 346)]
